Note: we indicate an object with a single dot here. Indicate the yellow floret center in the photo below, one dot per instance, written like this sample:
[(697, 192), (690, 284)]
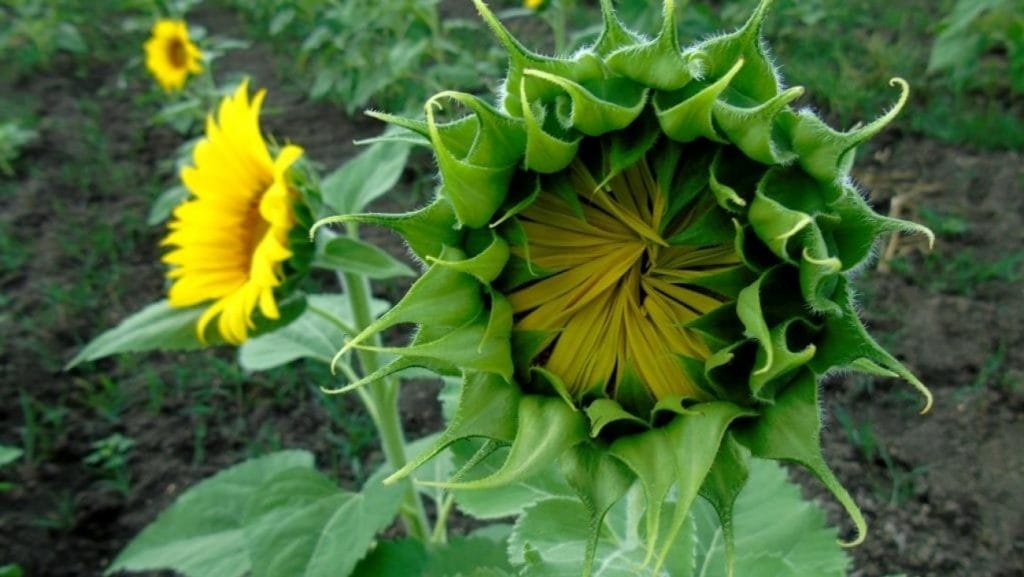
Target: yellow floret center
[(619, 297)]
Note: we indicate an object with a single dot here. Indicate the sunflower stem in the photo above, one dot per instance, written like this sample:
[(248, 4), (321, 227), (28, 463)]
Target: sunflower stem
[(381, 400), (440, 534)]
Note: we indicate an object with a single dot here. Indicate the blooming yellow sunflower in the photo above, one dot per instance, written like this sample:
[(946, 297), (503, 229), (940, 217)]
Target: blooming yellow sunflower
[(170, 54), (230, 238)]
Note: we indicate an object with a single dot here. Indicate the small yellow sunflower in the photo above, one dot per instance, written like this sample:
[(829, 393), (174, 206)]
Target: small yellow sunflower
[(170, 54), (533, 4), (230, 238)]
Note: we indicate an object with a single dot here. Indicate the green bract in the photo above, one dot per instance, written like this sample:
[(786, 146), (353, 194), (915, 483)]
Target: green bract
[(638, 260)]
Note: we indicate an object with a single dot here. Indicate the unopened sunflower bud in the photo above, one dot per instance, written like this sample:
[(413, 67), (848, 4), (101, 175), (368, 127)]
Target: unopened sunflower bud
[(639, 261)]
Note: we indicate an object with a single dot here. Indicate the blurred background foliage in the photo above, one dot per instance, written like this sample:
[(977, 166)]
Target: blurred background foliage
[(966, 69)]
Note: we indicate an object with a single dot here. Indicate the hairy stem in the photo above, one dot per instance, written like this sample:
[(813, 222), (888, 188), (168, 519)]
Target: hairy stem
[(382, 403)]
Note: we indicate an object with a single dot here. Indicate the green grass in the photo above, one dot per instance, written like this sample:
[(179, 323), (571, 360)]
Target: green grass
[(14, 253), (993, 374), (845, 52), (946, 225), (42, 424), (962, 273), (109, 461), (896, 483)]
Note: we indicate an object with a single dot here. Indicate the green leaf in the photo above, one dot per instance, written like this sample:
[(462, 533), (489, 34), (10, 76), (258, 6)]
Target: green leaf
[(317, 334), (427, 231), (480, 554), (438, 470), (402, 558), (351, 255), (958, 45), (165, 204), (549, 540), (482, 412), (68, 38), (547, 427), (281, 20), (726, 479), (299, 524), (790, 430), (159, 326), (325, 80), (545, 153), (508, 500), (600, 480), (11, 570), (485, 266), (9, 455), (687, 115), (778, 534), (678, 455), (201, 534), (366, 177), (658, 63), (476, 554)]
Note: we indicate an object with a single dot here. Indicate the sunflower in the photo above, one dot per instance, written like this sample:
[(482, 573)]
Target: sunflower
[(639, 262), (230, 239), (170, 54)]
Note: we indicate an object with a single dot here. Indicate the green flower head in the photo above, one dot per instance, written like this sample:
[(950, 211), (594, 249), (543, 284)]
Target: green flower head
[(638, 260)]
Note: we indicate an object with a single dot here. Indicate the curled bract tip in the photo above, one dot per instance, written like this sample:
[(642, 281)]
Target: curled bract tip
[(341, 218), (929, 399), (862, 535), (341, 352)]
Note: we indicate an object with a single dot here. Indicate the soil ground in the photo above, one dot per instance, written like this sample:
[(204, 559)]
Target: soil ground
[(942, 492)]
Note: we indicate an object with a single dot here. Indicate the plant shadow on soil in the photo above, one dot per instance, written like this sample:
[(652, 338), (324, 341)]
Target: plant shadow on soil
[(942, 492)]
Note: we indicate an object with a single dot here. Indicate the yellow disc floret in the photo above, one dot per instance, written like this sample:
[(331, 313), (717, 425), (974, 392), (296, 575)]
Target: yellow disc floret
[(620, 296)]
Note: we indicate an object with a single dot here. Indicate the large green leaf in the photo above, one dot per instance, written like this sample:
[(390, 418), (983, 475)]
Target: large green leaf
[(351, 255), (201, 534), (361, 180), (317, 334), (402, 558), (549, 540), (482, 553), (162, 327), (778, 534), (512, 499), (473, 554), (299, 524), (159, 326), (492, 503)]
